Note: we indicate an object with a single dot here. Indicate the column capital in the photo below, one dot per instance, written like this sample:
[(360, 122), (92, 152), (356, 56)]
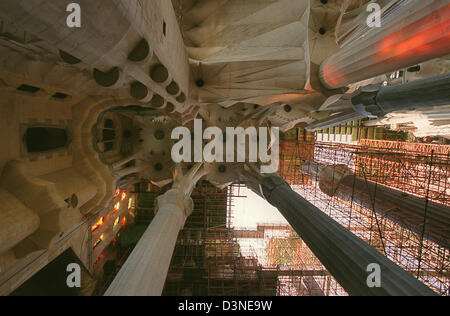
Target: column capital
[(364, 101), (175, 201)]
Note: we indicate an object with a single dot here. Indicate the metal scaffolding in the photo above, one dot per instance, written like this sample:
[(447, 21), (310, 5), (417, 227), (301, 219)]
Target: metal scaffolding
[(418, 169), (208, 260), (300, 272), (213, 258)]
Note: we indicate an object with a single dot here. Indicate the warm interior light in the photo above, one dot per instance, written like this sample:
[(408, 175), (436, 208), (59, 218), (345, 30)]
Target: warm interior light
[(98, 224), (124, 221), (416, 42), (116, 222), (97, 243), (124, 195), (99, 258)]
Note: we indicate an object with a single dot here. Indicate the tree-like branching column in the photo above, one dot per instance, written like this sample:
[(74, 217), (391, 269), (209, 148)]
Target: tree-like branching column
[(145, 271), (346, 256)]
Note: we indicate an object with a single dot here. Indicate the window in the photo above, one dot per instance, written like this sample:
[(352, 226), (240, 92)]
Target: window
[(109, 123), (27, 88), (60, 96), (41, 139), (116, 222), (108, 135), (108, 147), (98, 224)]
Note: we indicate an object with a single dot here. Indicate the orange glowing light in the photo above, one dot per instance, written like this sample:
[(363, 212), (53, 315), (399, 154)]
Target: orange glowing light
[(117, 192), (116, 207), (415, 43), (98, 242), (116, 222), (99, 258), (98, 224), (124, 221), (124, 195)]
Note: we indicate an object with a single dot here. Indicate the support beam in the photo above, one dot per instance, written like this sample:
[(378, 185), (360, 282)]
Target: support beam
[(380, 100), (344, 255), (417, 32)]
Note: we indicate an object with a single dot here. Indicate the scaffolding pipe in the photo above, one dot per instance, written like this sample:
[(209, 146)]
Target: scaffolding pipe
[(420, 31), (345, 256)]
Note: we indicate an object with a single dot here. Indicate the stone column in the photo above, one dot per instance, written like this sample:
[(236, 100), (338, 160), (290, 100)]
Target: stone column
[(380, 100), (400, 207), (416, 32), (345, 256), (145, 271)]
